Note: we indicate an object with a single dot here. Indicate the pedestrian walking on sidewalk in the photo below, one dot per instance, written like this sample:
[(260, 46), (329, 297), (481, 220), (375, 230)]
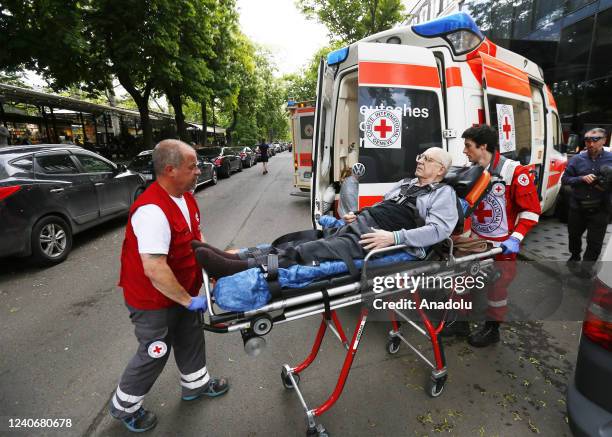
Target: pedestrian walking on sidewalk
[(161, 281), (589, 201), (263, 150)]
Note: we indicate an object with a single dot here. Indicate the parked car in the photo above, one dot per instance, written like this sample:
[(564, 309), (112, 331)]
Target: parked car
[(223, 158), (50, 192), (589, 399), (247, 156), (143, 164), (277, 148)]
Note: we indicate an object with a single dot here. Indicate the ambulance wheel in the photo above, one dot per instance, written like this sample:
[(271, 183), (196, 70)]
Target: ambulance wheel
[(393, 345), (287, 381), (435, 387)]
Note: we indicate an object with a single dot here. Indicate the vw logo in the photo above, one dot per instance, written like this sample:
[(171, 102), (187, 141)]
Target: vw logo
[(358, 169)]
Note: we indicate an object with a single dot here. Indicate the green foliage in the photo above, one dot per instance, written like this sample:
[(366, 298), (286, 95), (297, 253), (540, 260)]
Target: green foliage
[(302, 86), (351, 20)]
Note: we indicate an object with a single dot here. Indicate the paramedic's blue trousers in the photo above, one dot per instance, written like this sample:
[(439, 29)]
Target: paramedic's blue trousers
[(158, 331)]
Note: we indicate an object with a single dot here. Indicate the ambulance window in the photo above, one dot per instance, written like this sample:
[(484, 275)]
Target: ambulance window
[(396, 124), (512, 119)]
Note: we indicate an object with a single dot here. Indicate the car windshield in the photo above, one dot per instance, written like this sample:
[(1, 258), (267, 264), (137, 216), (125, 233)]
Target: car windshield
[(209, 151), (141, 163)]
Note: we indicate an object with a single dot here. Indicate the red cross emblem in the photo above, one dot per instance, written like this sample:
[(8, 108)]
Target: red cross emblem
[(157, 349), (481, 213), (382, 128), (507, 127)]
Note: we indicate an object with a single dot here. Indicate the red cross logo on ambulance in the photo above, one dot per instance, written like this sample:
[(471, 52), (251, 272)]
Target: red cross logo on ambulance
[(383, 128), (506, 128), (157, 349)]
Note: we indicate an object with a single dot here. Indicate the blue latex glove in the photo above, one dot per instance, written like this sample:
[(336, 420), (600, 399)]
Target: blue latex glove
[(327, 221), (511, 245), (198, 303)]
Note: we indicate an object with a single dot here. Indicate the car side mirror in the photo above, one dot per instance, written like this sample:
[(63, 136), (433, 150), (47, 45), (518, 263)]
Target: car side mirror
[(121, 168)]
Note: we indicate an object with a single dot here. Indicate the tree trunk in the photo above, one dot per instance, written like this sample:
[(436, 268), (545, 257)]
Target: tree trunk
[(179, 117), (231, 128), (204, 117), (142, 101)]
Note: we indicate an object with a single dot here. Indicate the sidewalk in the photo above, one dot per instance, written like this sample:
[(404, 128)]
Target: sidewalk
[(548, 241)]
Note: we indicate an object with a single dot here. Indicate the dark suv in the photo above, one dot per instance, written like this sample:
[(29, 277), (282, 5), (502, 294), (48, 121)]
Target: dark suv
[(589, 393), (50, 192)]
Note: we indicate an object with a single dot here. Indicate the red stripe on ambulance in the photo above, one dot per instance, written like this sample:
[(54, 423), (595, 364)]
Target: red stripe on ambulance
[(398, 74)]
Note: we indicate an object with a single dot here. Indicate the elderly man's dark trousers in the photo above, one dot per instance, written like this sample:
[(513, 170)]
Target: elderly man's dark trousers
[(595, 224)]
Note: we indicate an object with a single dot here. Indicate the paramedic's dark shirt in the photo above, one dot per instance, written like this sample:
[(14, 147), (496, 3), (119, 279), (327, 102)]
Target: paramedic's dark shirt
[(263, 149), (582, 165)]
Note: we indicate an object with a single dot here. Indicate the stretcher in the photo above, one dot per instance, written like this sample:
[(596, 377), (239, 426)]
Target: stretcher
[(325, 297)]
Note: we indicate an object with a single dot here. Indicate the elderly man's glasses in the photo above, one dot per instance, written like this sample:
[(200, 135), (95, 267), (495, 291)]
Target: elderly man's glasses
[(428, 159), (592, 139)]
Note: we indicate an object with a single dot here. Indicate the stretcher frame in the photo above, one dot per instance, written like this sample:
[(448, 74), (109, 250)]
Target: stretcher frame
[(255, 324)]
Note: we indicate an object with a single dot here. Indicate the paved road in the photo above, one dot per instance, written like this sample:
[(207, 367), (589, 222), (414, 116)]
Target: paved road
[(66, 337)]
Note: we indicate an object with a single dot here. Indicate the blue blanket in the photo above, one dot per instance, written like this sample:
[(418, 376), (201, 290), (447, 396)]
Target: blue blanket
[(248, 290)]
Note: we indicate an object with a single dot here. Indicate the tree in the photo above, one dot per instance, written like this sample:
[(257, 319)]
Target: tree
[(351, 20), (303, 86)]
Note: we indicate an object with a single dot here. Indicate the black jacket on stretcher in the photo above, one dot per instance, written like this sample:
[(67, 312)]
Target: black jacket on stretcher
[(410, 209)]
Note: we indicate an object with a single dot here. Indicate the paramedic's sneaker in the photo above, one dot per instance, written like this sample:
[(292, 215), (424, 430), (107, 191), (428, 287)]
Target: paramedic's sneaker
[(458, 328), (141, 421), (485, 336), (573, 265), (215, 387)]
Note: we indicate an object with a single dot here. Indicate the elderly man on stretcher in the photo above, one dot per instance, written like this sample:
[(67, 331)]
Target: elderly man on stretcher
[(417, 212)]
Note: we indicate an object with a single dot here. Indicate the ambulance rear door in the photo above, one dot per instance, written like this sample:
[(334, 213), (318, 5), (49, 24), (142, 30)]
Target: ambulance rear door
[(508, 107), (303, 128), (400, 113)]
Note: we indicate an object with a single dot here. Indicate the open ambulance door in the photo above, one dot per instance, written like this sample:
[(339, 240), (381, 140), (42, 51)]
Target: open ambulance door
[(509, 108), (318, 141), (400, 113)]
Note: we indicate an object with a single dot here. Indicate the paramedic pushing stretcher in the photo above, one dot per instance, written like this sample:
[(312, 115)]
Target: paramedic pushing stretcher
[(417, 212), (161, 281), (507, 213)]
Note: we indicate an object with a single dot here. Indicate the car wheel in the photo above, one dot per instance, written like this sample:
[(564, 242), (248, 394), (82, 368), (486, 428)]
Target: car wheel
[(227, 170), (239, 166), (215, 178), (51, 240)]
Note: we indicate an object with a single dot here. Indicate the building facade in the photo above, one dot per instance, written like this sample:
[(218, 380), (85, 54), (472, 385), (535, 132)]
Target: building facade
[(570, 39)]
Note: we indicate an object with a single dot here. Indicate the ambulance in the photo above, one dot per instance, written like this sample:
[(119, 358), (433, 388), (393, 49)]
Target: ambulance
[(384, 100), (302, 129)]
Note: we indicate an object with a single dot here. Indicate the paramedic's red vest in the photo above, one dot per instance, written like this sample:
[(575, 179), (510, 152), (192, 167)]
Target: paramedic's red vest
[(138, 290)]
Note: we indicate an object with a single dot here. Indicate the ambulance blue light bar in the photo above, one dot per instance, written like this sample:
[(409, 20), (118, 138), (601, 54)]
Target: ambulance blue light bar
[(445, 25), (337, 56), (458, 29)]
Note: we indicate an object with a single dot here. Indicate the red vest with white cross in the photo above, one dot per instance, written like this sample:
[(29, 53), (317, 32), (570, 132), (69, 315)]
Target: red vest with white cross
[(138, 290), (512, 206)]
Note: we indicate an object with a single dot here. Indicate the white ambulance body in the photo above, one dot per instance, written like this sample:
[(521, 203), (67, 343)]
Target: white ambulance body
[(386, 99), (302, 129)]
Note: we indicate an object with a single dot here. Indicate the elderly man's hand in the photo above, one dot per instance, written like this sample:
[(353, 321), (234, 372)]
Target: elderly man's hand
[(349, 218), (377, 239)]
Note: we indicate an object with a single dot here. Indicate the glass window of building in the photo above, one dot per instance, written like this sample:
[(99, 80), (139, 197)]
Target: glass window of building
[(523, 17), (547, 11), (435, 8), (574, 50), (572, 5), (601, 61), (501, 22), (423, 14)]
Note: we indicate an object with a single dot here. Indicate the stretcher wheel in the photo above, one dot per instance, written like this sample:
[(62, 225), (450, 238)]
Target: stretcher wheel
[(287, 381), (435, 386), (319, 431), (262, 325), (393, 345)]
